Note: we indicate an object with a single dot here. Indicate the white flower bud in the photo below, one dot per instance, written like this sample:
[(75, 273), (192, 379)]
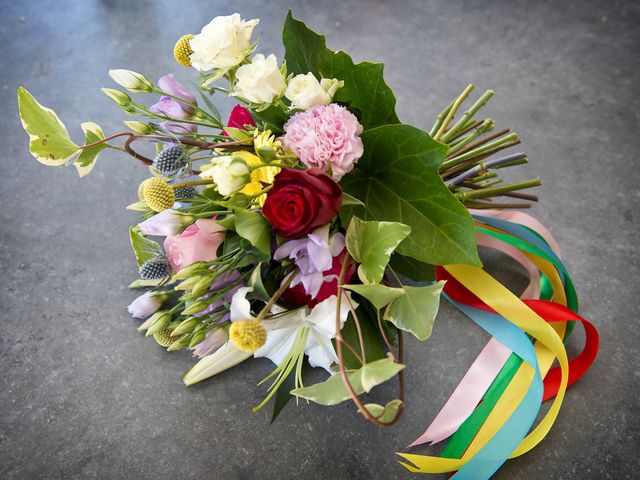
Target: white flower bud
[(229, 173), (305, 91), (132, 81)]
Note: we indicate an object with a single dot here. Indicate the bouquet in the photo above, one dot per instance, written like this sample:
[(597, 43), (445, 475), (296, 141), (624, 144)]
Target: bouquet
[(314, 226)]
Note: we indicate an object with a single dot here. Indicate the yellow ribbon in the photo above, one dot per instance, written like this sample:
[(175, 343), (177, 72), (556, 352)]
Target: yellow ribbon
[(548, 347)]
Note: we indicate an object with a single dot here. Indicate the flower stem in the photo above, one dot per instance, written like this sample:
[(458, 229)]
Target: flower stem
[(468, 115), (495, 191), (193, 183), (500, 144), (456, 104)]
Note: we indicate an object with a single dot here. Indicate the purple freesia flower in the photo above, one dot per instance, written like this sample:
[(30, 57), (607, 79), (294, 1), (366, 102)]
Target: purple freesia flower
[(171, 107), (313, 255)]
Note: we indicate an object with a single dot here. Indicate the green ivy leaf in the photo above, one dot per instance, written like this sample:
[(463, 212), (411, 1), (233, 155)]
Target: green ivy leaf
[(397, 179), (364, 90), (254, 227), (143, 248), (373, 344), (332, 391), (272, 118), (378, 295), (371, 244), (88, 156), (50, 142), (387, 413), (416, 310)]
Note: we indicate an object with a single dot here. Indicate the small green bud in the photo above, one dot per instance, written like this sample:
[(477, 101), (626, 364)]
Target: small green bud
[(122, 99), (143, 128), (132, 81), (160, 324), (185, 327)]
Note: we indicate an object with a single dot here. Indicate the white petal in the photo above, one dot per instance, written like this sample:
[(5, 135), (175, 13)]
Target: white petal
[(278, 344), (240, 307), (320, 351), (225, 357), (323, 315)]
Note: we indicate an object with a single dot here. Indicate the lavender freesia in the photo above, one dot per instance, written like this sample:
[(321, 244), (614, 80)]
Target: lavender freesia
[(313, 255)]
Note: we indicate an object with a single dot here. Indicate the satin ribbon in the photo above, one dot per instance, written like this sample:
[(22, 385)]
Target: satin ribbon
[(510, 407), (491, 360)]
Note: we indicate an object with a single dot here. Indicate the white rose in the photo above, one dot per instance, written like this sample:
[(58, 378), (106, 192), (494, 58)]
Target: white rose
[(229, 173), (223, 43), (305, 91), (260, 81)]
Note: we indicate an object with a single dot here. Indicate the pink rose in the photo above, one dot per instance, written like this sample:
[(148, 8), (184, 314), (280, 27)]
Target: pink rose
[(198, 243)]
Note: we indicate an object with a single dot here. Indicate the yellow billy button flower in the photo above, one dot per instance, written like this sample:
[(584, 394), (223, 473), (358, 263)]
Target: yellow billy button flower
[(247, 335), (163, 338), (158, 194), (182, 51)]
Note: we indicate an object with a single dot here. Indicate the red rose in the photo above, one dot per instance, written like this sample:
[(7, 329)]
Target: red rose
[(300, 201), (298, 296), (238, 118)]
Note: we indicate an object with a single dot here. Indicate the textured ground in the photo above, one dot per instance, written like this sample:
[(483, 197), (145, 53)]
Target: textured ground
[(84, 395)]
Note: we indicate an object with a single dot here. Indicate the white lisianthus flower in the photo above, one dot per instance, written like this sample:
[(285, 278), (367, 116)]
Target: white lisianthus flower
[(229, 173), (223, 43), (132, 81), (168, 222), (305, 91), (260, 81)]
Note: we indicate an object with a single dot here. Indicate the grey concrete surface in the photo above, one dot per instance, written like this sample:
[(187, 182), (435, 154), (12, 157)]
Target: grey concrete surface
[(83, 395)]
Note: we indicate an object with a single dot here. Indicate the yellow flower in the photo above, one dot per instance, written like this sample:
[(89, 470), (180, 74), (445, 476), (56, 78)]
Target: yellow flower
[(182, 51), (266, 145), (247, 335), (259, 177)]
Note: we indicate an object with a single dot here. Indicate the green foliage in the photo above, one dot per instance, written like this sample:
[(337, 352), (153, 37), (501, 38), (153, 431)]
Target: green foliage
[(373, 344), (365, 91), (397, 179), (143, 248), (371, 243), (378, 295), (411, 268), (416, 310), (387, 413), (254, 227), (50, 142), (333, 391), (88, 156)]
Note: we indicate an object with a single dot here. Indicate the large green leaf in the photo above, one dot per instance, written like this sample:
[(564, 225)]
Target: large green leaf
[(364, 90), (371, 244), (50, 142), (411, 268), (397, 179), (254, 227), (416, 310), (333, 391), (88, 156)]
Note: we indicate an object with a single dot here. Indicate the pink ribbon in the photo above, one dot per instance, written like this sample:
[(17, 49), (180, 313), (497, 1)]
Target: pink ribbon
[(488, 364)]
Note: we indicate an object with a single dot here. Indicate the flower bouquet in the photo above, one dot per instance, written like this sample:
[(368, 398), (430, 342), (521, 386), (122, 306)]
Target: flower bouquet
[(314, 225)]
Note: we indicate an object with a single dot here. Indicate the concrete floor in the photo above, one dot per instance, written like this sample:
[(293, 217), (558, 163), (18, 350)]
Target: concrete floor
[(84, 395)]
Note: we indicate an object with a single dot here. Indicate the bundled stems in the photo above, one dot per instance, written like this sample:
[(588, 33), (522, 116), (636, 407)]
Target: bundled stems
[(454, 107)]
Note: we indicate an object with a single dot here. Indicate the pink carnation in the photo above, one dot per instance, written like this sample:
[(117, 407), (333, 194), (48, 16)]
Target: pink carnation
[(325, 135)]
